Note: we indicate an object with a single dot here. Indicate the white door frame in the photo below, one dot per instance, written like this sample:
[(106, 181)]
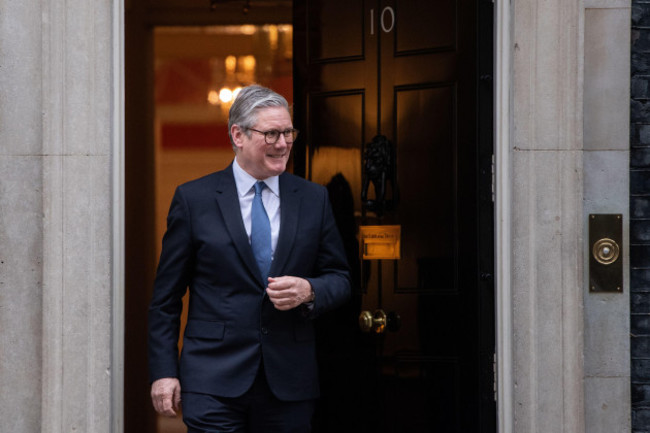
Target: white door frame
[(118, 221), (504, 329)]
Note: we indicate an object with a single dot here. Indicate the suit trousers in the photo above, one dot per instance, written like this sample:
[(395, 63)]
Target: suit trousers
[(257, 411)]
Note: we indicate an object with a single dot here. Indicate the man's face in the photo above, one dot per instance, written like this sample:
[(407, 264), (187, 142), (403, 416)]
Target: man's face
[(254, 155)]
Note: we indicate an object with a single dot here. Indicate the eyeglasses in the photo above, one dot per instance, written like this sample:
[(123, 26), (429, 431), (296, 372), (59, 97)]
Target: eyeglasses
[(272, 136)]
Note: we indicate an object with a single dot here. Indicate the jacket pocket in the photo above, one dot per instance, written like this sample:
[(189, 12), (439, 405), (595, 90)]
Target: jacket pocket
[(205, 329)]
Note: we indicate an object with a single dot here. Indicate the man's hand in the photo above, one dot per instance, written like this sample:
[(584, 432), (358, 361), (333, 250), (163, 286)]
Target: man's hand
[(287, 293), (166, 396)]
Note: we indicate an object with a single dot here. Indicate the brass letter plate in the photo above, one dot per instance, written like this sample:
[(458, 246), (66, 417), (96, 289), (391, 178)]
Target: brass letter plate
[(380, 242), (605, 253)]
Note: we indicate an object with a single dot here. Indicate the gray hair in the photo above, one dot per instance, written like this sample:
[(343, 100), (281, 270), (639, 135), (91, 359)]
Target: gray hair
[(243, 111)]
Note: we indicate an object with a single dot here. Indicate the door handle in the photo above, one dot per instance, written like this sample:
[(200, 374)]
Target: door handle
[(372, 321), (379, 321)]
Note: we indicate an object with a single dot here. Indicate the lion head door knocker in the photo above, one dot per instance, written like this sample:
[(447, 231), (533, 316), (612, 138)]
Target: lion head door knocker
[(379, 164)]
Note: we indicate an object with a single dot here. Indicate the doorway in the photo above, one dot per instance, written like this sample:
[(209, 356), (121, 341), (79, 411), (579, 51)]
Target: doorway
[(367, 74), (157, 143), (198, 72)]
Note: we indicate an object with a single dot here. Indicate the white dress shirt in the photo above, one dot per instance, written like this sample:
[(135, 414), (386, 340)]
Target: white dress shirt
[(270, 198)]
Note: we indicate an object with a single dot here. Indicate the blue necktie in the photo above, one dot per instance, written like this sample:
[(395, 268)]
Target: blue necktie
[(261, 232)]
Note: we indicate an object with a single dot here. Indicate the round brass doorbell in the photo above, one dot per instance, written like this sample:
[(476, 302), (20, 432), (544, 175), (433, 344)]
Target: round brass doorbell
[(605, 251)]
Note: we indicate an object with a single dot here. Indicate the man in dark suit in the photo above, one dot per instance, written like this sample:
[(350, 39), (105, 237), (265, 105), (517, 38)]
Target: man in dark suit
[(258, 272)]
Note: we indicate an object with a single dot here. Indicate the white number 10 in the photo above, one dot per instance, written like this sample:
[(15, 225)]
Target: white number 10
[(382, 21)]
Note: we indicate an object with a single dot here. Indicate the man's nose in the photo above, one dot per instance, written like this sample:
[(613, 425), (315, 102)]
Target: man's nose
[(282, 141)]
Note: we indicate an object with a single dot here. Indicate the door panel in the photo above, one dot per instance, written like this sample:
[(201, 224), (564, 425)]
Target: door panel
[(335, 36), (415, 389), (406, 70), (424, 26), (336, 146), (426, 155)]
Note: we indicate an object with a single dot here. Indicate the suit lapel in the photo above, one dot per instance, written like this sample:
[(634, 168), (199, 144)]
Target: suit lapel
[(289, 207), (228, 202)]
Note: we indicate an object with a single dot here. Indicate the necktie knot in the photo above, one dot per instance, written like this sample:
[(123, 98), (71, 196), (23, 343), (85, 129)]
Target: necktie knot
[(259, 186)]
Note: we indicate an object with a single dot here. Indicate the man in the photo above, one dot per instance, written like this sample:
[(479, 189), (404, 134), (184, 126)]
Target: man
[(258, 272)]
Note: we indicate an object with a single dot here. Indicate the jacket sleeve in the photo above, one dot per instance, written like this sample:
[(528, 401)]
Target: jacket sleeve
[(331, 280), (172, 279)]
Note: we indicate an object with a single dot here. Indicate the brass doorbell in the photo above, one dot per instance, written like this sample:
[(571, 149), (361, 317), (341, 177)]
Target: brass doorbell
[(605, 247)]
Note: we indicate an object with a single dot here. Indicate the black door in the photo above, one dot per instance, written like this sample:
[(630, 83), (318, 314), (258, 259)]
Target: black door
[(410, 74)]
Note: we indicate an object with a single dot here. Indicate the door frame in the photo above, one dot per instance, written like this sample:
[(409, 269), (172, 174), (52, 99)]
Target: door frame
[(118, 219), (502, 187), (502, 242)]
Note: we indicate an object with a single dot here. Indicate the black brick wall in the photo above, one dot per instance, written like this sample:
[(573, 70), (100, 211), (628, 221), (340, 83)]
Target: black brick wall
[(640, 216)]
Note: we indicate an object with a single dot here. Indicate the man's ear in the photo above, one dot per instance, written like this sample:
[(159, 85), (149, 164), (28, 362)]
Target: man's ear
[(237, 134)]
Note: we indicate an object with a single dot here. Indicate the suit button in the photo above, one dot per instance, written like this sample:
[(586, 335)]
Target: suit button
[(264, 330)]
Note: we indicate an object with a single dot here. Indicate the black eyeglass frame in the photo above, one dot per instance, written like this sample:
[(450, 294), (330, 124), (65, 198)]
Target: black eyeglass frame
[(287, 133)]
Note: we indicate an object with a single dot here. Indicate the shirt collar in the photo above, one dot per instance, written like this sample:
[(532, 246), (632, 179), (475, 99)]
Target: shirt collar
[(245, 181)]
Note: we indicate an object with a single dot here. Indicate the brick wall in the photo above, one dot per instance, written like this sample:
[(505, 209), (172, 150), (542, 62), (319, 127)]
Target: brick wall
[(640, 216)]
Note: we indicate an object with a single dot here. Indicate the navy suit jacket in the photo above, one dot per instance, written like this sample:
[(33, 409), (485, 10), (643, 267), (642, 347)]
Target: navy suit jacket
[(232, 325)]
